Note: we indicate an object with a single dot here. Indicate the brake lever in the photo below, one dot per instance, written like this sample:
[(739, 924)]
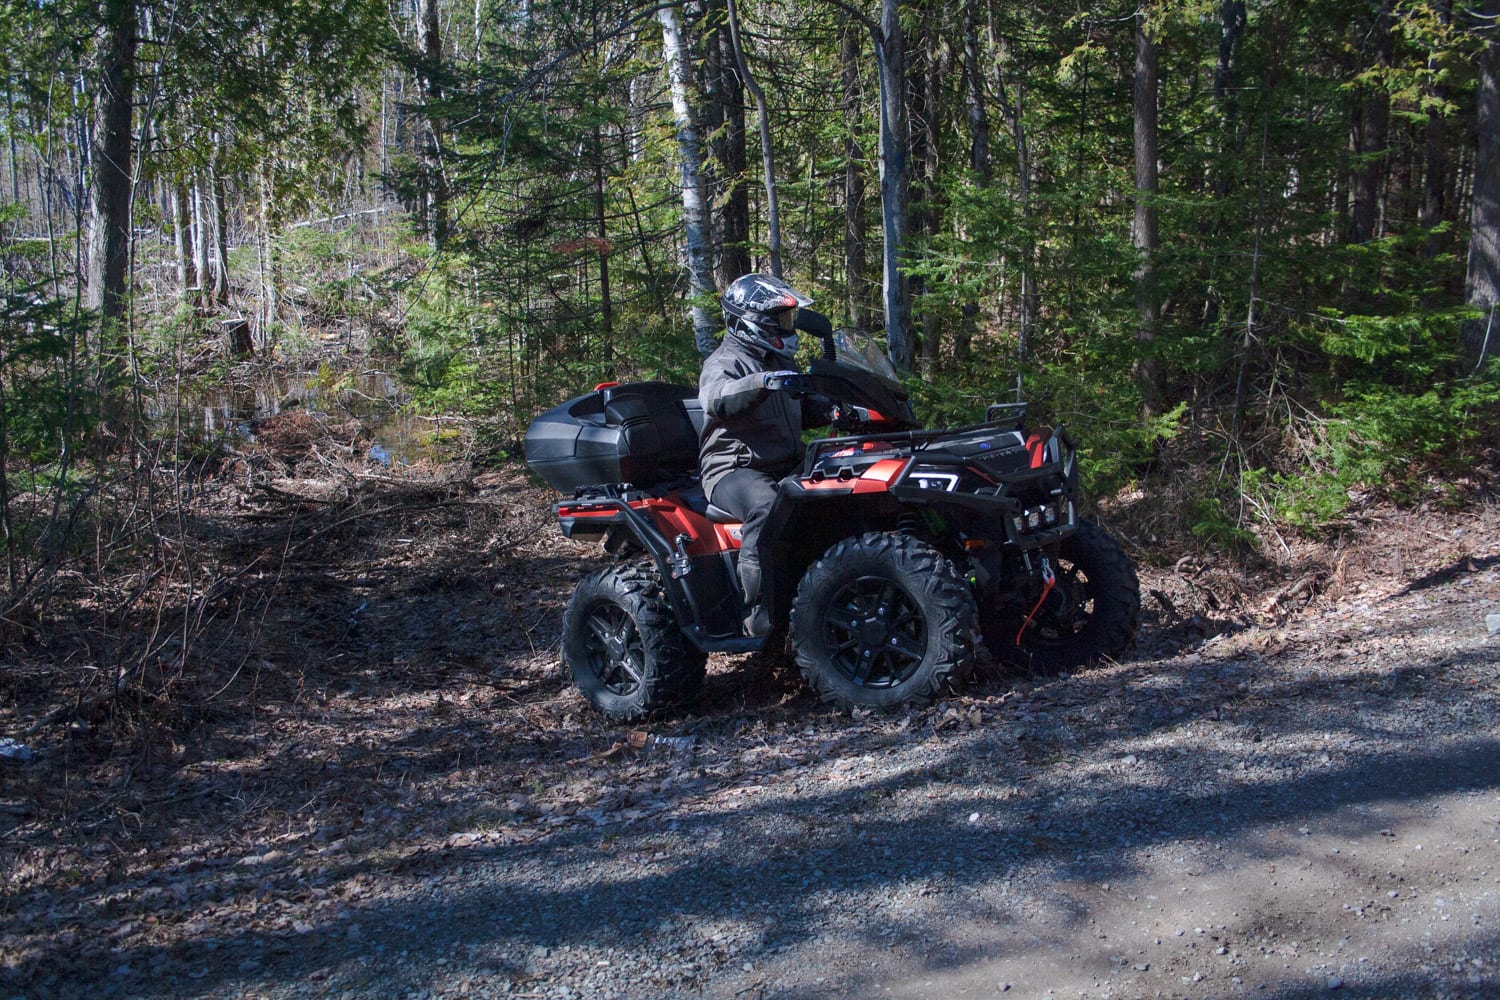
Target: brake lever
[(848, 417)]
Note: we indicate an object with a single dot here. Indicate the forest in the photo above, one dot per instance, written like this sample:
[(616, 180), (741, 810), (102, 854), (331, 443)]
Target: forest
[(283, 710), (1248, 249)]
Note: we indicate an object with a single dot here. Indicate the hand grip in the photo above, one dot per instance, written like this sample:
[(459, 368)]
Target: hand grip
[(787, 382)]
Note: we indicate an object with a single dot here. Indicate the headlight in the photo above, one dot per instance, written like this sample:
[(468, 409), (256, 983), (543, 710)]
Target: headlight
[(1048, 515), (947, 478), (933, 480)]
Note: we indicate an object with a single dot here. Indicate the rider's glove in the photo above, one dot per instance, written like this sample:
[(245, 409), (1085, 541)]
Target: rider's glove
[(777, 380), (847, 417)]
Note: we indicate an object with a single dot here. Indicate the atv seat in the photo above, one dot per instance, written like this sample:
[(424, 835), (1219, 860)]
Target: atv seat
[(719, 515), (698, 503)]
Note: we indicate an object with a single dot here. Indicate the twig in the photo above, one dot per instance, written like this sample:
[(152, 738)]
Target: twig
[(154, 804), (1307, 585)]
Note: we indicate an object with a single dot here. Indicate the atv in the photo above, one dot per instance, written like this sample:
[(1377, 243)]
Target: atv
[(887, 554)]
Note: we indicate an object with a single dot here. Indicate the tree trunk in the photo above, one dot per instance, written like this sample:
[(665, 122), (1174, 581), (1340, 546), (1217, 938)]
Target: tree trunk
[(979, 118), (890, 55), (732, 197), (606, 306), (1482, 283), (699, 249), (1435, 153), (1247, 342), (219, 233), (110, 157), (854, 184), (182, 232), (1030, 304), (265, 246), (434, 176), (979, 154), (1231, 30), (767, 160), (10, 134), (1231, 27), (200, 231), (1368, 137), (1143, 229), (924, 212), (238, 340)]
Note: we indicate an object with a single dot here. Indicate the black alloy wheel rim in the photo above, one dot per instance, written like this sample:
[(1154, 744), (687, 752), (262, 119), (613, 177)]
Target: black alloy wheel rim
[(875, 633), (1069, 607), (616, 654)]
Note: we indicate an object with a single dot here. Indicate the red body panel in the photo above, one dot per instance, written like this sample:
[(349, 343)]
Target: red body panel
[(674, 518), (876, 479), (705, 537), (1036, 445)]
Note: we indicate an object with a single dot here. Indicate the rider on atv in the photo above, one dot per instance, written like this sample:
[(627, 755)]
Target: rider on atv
[(898, 547), (753, 433)]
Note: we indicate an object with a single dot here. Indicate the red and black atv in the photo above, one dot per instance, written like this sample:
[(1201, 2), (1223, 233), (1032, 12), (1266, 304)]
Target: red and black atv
[(886, 554)]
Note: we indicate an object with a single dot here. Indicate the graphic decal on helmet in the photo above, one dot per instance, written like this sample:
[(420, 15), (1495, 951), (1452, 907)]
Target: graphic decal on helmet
[(761, 311)]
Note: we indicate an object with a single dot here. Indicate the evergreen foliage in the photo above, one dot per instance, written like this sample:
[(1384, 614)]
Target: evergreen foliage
[(1299, 320)]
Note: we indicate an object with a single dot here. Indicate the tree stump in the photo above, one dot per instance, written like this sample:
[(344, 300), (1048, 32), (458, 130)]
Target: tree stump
[(237, 341)]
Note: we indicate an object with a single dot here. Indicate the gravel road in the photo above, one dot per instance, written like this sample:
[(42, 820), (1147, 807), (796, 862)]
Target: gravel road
[(1309, 806), (1283, 812)]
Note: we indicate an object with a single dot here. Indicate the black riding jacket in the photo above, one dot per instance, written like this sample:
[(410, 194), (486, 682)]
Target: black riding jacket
[(748, 426)]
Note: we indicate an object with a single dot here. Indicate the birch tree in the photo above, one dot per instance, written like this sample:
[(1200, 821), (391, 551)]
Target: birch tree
[(690, 153), (895, 169)]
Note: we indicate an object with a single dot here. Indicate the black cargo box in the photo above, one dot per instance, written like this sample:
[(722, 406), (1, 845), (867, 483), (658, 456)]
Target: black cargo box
[(642, 433)]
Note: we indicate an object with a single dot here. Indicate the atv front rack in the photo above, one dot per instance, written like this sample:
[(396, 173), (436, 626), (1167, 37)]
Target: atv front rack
[(1027, 484)]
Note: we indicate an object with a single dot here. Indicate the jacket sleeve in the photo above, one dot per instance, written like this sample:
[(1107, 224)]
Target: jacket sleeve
[(725, 395)]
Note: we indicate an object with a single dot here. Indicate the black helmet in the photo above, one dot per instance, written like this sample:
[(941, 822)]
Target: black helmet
[(762, 312)]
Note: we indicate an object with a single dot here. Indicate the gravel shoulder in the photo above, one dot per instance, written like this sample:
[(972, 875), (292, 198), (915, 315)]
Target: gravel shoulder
[(1289, 789)]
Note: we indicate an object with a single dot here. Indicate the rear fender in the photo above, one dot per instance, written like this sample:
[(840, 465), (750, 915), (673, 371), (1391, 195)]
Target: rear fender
[(648, 520), (693, 557), (701, 537)]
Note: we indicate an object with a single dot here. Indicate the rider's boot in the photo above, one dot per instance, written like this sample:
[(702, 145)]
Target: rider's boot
[(757, 617), (758, 621)]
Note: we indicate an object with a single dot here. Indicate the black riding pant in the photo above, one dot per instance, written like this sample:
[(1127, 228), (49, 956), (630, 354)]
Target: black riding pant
[(748, 495)]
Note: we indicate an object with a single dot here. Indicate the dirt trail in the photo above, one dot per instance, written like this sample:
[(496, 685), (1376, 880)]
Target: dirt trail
[(1286, 791)]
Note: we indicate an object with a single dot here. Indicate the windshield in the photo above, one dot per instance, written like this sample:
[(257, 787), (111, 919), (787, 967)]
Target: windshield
[(858, 349)]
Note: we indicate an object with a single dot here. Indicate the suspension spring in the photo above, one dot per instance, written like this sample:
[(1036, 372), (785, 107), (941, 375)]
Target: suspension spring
[(908, 522)]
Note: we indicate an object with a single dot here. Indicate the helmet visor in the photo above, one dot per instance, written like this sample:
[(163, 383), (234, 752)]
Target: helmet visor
[(787, 319)]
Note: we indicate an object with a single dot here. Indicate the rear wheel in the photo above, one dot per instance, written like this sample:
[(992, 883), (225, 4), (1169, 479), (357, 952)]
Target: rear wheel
[(881, 621), (623, 646), (1091, 613)]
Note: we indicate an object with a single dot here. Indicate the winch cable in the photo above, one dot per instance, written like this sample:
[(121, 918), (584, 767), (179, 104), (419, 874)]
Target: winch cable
[(1048, 580)]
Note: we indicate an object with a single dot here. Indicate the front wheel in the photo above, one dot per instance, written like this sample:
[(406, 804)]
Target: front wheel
[(1090, 614), (881, 621), (623, 646)]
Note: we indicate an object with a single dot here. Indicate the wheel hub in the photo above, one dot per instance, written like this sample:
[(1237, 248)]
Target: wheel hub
[(614, 649), (877, 632), (874, 633), (616, 643)]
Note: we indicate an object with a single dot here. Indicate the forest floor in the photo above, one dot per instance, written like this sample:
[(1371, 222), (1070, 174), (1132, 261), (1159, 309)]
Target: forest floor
[(366, 776)]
